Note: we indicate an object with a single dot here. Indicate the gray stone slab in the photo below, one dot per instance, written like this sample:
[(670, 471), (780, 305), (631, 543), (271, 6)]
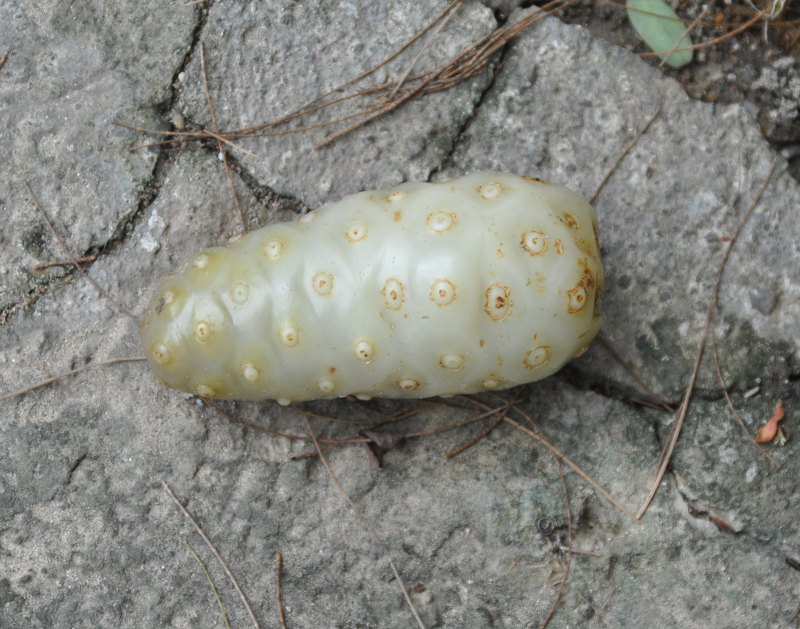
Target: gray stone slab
[(72, 69), (88, 536), (664, 213), (292, 53)]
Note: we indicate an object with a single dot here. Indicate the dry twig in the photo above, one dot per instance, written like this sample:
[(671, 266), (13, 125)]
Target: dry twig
[(675, 431), (46, 265), (71, 372), (384, 98), (220, 146), (74, 261), (568, 562), (213, 550), (278, 600), (555, 451), (210, 580), (366, 523), (715, 297)]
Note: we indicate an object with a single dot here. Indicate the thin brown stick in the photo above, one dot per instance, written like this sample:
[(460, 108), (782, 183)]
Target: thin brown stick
[(422, 51), (567, 460), (466, 422), (686, 31), (258, 131), (226, 139), (388, 96), (715, 40), (675, 430), (622, 155), (585, 553), (410, 94), (213, 550), (672, 439), (210, 580), (47, 265), (74, 261), (256, 428), (66, 374), (356, 439), (278, 600), (312, 106), (355, 422), (169, 133), (178, 137), (3, 61), (471, 442), (563, 583), (728, 400), (534, 433), (319, 103), (220, 146), (632, 373), (715, 297), (365, 522)]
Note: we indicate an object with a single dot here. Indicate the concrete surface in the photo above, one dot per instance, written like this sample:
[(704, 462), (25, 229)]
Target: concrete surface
[(88, 536)]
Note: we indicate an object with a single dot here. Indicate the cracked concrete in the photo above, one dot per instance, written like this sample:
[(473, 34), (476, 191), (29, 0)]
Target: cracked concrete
[(87, 534)]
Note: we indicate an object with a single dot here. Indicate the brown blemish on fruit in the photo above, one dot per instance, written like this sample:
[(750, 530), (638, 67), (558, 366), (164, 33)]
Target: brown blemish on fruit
[(536, 180), (569, 220), (202, 331), (498, 302), (442, 292), (534, 242), (356, 232), (364, 350), (322, 283), (289, 335), (581, 351), (492, 382), (578, 295), (576, 298), (408, 384), (394, 295)]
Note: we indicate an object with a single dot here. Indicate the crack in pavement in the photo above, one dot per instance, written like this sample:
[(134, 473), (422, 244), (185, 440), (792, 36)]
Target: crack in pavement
[(125, 225), (458, 138)]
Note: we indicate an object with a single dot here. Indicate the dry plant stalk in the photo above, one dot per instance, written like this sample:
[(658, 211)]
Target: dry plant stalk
[(380, 98), (675, 430), (213, 550)]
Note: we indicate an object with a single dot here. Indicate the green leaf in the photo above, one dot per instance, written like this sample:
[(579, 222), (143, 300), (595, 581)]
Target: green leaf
[(659, 27)]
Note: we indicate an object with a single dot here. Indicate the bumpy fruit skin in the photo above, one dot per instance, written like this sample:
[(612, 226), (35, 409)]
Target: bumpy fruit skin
[(483, 282)]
